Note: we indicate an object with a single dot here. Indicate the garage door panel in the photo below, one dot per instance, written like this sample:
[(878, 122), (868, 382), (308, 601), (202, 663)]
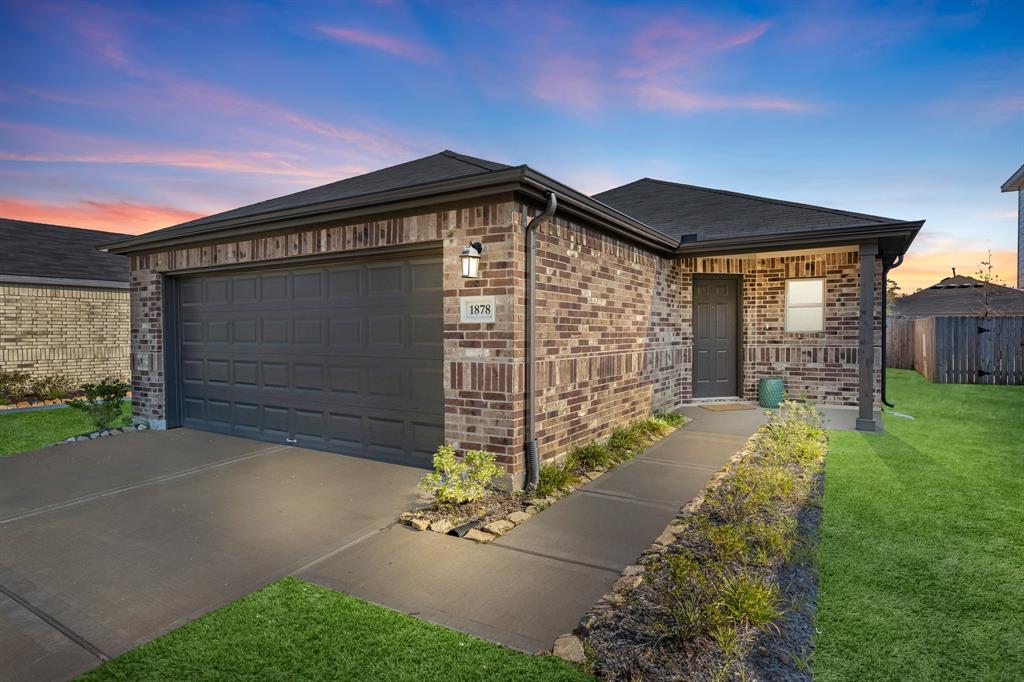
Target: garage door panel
[(345, 357)]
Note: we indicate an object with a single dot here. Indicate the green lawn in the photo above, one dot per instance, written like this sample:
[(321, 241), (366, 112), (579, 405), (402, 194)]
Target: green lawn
[(293, 630), (922, 574), (22, 431)]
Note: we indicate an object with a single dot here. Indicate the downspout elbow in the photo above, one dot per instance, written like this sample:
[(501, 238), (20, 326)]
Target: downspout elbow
[(532, 453)]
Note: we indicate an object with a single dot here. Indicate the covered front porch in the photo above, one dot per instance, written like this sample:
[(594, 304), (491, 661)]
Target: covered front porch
[(810, 316)]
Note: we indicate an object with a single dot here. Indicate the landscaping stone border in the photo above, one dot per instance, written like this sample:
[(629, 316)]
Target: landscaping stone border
[(496, 528), (103, 433), (632, 576)]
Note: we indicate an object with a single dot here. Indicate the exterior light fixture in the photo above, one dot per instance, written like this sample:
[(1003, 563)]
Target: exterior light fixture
[(470, 257)]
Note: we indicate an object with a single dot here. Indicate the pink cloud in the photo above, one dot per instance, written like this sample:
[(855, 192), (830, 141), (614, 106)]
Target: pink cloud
[(111, 216), (568, 81), (653, 96), (668, 45), (59, 146), (1007, 105), (380, 41)]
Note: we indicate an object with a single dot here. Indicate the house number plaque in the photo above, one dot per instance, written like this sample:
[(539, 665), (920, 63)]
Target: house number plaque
[(477, 309)]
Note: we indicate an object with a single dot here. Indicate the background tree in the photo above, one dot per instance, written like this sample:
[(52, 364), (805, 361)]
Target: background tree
[(891, 294), (990, 278)]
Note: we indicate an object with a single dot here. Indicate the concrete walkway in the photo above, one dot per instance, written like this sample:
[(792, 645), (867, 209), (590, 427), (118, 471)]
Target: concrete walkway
[(535, 583)]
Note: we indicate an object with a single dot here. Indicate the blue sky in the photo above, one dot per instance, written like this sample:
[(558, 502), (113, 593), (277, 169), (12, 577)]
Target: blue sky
[(134, 116)]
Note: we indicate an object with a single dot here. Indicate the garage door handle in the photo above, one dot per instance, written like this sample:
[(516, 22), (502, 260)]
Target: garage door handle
[(293, 441)]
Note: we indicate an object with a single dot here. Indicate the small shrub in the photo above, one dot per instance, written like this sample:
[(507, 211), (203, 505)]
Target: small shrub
[(650, 430), (554, 477), (750, 601), (591, 456), (14, 386), (102, 402), (624, 443), (456, 482), (55, 387), (671, 419)]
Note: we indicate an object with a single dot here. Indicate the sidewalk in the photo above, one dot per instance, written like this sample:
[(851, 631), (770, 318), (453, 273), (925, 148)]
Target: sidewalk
[(534, 583)]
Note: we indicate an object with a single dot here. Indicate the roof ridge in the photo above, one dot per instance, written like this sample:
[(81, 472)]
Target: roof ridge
[(768, 200), (470, 160)]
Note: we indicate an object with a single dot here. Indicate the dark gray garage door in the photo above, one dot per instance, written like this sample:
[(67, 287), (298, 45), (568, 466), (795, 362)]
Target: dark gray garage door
[(345, 357)]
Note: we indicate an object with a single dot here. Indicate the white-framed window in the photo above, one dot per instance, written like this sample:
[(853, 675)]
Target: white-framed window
[(805, 305)]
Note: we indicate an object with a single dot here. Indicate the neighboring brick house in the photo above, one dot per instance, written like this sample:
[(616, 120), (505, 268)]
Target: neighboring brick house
[(1015, 183), (64, 305), (340, 317)]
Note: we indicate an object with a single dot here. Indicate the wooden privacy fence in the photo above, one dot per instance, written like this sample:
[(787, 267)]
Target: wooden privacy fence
[(899, 343), (959, 350)]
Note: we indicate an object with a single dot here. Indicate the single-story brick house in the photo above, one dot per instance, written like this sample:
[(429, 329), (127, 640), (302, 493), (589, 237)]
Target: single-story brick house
[(64, 305), (340, 317)]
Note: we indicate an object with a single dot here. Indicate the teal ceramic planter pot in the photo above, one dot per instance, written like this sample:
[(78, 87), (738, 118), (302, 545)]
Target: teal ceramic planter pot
[(770, 392)]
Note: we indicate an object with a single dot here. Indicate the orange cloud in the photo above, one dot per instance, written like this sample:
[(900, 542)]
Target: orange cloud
[(921, 270), (111, 216), (380, 41)]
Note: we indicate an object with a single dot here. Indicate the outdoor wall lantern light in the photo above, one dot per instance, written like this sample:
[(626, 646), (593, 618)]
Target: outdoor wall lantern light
[(471, 260)]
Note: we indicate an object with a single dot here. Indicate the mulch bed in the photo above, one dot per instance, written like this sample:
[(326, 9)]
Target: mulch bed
[(625, 636)]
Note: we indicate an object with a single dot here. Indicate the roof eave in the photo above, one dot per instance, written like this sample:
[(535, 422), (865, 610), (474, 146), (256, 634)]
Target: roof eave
[(1015, 182), (519, 178), (894, 238)]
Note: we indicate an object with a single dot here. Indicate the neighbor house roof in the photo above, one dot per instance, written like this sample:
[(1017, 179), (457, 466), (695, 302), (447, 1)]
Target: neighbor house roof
[(959, 295), (34, 252), (669, 217), (1015, 182), (700, 216)]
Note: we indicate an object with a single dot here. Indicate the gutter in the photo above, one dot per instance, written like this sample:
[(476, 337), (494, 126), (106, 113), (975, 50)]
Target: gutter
[(532, 450), (781, 242)]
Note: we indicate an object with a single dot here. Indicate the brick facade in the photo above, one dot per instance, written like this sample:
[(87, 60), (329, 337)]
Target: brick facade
[(615, 330), (80, 332), (614, 323)]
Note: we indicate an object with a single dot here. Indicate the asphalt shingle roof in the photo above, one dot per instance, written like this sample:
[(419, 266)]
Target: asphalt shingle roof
[(701, 214), (678, 212), (40, 250), (441, 166), (961, 295)]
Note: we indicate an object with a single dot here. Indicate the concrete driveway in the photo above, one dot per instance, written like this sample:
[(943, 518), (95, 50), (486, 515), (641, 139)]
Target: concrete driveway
[(107, 544)]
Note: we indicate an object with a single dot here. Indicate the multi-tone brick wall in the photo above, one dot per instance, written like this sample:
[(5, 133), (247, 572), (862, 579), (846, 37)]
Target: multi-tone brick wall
[(80, 332), (609, 334), (821, 365), (614, 322), (483, 367), (615, 330)]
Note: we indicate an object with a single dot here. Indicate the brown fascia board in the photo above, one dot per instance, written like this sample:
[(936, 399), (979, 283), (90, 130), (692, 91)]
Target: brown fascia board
[(518, 179), (894, 238), (1015, 182)]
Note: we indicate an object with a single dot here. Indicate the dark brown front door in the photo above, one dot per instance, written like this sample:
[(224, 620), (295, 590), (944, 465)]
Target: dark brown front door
[(345, 357), (714, 337)]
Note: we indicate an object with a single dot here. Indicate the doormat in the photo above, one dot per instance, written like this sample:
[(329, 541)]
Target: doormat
[(726, 407)]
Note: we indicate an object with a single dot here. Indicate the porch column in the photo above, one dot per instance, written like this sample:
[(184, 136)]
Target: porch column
[(866, 346)]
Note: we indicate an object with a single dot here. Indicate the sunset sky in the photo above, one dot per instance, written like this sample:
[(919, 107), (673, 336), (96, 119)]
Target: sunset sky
[(133, 117)]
